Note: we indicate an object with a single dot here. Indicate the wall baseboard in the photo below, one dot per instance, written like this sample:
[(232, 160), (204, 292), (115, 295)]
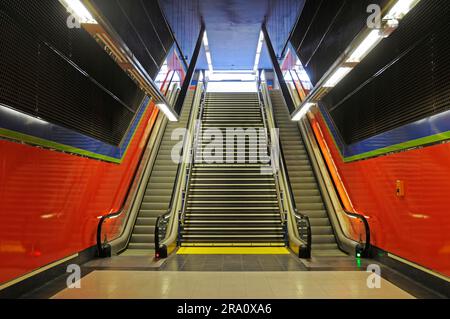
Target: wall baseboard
[(434, 282), (36, 279)]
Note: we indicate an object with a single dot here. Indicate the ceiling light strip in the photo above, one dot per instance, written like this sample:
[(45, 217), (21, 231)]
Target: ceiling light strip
[(370, 39), (208, 53), (79, 11), (258, 51)]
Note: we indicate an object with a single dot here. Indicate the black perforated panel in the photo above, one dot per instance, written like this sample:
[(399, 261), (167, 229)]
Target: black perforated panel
[(141, 25), (325, 30), (60, 74), (406, 78)]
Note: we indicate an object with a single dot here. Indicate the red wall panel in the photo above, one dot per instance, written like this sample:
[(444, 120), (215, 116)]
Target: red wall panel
[(415, 227), (50, 201)]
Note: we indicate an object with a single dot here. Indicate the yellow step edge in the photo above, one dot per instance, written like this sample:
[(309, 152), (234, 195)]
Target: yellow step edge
[(225, 244), (232, 251)]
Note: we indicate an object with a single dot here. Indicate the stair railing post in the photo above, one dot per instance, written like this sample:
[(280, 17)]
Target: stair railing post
[(275, 169), (191, 159)]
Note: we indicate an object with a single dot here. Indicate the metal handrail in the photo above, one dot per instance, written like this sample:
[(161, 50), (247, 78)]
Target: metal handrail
[(177, 176), (103, 248), (192, 155), (362, 251), (268, 137), (299, 217), (163, 220)]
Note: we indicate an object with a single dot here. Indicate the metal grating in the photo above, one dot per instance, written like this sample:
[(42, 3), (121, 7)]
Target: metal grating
[(62, 75), (281, 20), (184, 19), (405, 79), (140, 24), (325, 30)]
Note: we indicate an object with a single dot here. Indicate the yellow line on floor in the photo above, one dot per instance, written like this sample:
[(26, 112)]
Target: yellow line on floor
[(232, 251)]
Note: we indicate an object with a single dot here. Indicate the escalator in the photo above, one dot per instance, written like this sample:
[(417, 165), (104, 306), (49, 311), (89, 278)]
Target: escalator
[(230, 196), (158, 192), (307, 195), (231, 204)]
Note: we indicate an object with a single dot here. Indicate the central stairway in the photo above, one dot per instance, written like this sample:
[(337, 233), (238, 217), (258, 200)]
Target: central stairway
[(231, 203)]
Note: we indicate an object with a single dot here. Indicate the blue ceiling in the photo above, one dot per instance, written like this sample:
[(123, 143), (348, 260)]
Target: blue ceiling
[(233, 28)]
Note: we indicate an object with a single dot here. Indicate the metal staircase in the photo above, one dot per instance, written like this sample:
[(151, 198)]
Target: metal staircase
[(308, 198), (231, 202), (159, 186)]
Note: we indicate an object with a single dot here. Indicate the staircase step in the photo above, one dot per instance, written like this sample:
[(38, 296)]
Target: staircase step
[(232, 202)]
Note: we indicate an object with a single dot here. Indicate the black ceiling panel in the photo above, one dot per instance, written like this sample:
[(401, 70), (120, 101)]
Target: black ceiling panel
[(61, 74), (184, 19), (142, 27), (405, 79), (325, 30)]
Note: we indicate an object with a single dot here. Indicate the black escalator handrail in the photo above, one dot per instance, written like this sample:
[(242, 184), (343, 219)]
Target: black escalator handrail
[(165, 217), (177, 176), (302, 217), (268, 138), (361, 251), (297, 214), (103, 249), (364, 252), (193, 152)]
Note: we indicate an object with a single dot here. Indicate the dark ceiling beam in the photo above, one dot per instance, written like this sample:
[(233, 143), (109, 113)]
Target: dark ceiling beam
[(277, 69), (190, 72), (177, 44)]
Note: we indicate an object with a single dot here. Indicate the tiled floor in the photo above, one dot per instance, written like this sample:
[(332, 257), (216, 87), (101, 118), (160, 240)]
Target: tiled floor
[(232, 263), (231, 276), (234, 285), (125, 262)]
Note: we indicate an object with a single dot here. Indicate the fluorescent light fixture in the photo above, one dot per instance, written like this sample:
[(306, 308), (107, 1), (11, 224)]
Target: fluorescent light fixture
[(165, 109), (374, 37), (366, 45), (77, 8), (303, 75), (28, 119), (232, 87), (400, 9), (236, 77), (209, 60), (258, 50), (302, 112), (263, 76), (162, 73), (208, 52), (337, 76)]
